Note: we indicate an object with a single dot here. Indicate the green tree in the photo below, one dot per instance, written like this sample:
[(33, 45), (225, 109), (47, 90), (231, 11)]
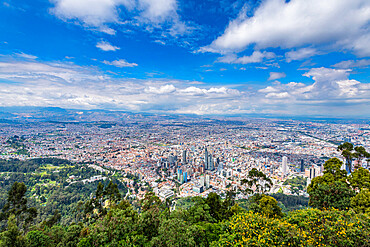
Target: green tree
[(360, 153), (346, 149), (360, 179), (259, 180), (361, 202), (17, 205), (72, 236), (12, 236), (253, 229), (265, 205), (331, 189), (214, 202), (38, 239), (173, 232)]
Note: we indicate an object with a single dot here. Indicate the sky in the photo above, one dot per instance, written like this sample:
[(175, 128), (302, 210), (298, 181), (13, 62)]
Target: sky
[(223, 57)]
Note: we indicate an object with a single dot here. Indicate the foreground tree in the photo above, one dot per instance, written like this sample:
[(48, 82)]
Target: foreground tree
[(265, 205), (257, 179), (331, 190), (346, 149), (16, 205)]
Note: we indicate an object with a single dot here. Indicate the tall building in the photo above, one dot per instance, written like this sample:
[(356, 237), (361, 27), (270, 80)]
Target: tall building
[(284, 166), (206, 159), (220, 167), (184, 157), (210, 162), (312, 172), (207, 181), (302, 165), (202, 181), (179, 175)]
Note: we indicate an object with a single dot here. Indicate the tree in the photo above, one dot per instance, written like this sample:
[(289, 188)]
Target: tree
[(37, 239), (12, 236), (361, 202), (360, 179), (17, 205), (346, 149), (331, 189), (253, 229), (265, 205), (259, 180), (112, 193), (173, 232), (214, 202), (360, 154)]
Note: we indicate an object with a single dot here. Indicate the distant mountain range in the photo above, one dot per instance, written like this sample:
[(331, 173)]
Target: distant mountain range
[(36, 114)]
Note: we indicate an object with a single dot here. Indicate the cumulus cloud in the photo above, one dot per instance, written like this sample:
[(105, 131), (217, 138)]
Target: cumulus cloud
[(276, 75), (120, 63), (330, 85), (352, 64), (99, 14), (296, 23), (300, 54), (106, 46), (255, 57), (166, 89), (64, 84)]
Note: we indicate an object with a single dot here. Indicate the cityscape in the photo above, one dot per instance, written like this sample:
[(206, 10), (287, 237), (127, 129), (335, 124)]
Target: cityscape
[(184, 123), (189, 157)]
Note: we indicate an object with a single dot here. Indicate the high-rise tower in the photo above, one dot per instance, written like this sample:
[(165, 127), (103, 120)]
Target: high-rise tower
[(284, 166)]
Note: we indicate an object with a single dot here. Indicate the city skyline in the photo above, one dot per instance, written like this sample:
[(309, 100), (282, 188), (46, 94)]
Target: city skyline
[(273, 57)]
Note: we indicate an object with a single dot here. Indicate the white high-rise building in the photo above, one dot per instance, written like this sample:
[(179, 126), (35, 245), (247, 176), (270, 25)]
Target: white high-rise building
[(207, 181), (284, 166)]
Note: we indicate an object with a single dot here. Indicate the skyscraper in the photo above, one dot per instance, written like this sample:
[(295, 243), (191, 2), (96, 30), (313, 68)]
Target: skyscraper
[(206, 159), (184, 157), (312, 172), (210, 162), (202, 181), (302, 165), (207, 181), (284, 166)]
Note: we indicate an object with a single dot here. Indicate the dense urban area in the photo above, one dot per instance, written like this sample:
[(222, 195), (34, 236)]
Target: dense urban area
[(188, 158), (183, 181)]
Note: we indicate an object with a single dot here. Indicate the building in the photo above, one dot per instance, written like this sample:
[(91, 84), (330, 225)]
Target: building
[(207, 181), (184, 157), (164, 194), (302, 165), (284, 166), (198, 188), (206, 159), (202, 181)]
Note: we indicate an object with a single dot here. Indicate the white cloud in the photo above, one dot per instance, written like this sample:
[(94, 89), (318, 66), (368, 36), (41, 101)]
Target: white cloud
[(329, 84), (353, 64), (166, 89), (157, 10), (255, 57), (300, 54), (106, 46), (278, 23), (64, 84), (120, 63), (276, 75), (27, 56), (71, 86), (99, 14)]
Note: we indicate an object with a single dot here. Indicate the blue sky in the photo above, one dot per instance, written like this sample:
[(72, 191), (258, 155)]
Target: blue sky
[(226, 57)]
